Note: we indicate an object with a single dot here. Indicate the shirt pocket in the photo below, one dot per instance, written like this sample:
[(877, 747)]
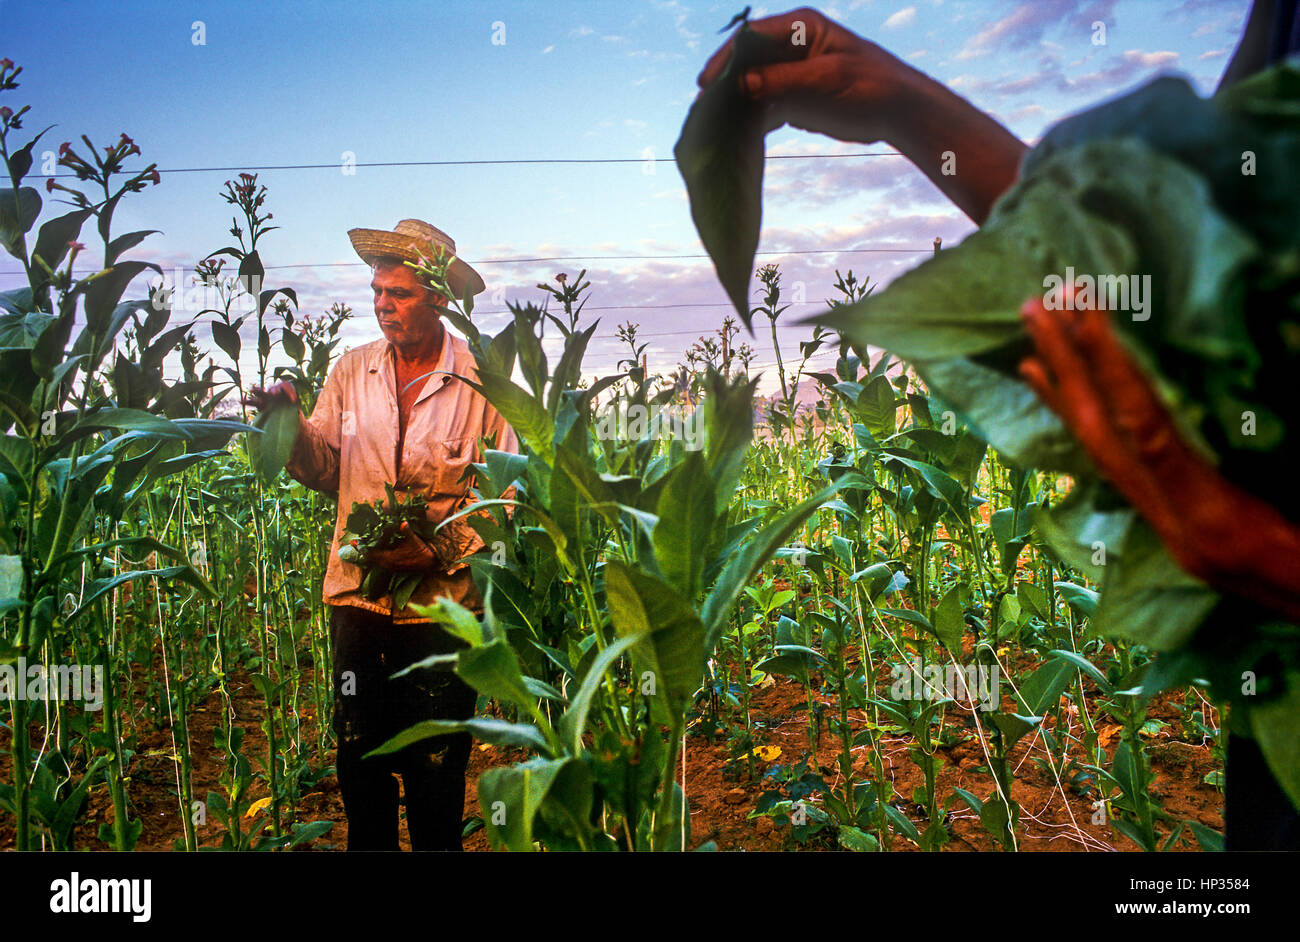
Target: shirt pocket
[(441, 467)]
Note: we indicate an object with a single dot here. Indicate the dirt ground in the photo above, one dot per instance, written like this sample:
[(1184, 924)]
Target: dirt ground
[(720, 793)]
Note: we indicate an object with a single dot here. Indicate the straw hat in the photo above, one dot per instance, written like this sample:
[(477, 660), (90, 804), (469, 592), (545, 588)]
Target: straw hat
[(407, 240)]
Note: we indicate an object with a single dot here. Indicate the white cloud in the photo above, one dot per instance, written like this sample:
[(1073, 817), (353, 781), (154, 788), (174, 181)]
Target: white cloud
[(903, 17), (548, 49), (1151, 60)]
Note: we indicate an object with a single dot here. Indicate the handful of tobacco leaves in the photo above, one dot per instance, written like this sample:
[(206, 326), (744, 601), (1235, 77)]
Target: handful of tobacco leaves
[(1191, 205), (382, 525), (1185, 210)]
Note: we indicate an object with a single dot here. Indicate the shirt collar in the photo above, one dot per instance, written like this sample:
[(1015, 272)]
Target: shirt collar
[(385, 361)]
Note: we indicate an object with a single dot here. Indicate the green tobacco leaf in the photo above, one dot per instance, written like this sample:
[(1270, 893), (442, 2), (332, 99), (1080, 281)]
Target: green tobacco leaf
[(686, 524), (1085, 665), (729, 429), (493, 669), (950, 621), (720, 157), (1080, 598), (1146, 597), (1272, 95), (877, 408), (100, 587), (1194, 256), (226, 336), (269, 452), (673, 646), (512, 797), (530, 420), (1006, 413), (104, 291), (569, 370), (1209, 136), (1079, 533), (131, 420), (18, 212), (496, 732), (456, 620), (1042, 691), (574, 721), (1276, 727), (52, 242), (127, 241), (966, 300)]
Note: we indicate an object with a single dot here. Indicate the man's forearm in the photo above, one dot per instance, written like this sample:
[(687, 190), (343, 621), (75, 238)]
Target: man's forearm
[(313, 462), (963, 151)]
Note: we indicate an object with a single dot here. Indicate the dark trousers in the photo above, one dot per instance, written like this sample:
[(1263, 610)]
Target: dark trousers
[(1257, 814), (371, 707)]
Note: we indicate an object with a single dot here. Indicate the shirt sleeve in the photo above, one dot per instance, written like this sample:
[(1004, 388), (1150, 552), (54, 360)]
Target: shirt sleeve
[(314, 460)]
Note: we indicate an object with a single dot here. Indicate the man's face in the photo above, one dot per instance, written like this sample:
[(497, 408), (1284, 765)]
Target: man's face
[(407, 311)]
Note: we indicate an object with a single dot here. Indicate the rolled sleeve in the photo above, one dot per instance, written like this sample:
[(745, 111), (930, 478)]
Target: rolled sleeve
[(314, 460)]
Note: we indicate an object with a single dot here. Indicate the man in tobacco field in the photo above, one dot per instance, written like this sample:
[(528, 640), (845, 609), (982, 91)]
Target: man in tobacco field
[(392, 437), (836, 83)]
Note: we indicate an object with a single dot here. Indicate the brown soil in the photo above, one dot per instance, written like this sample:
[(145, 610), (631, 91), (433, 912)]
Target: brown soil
[(718, 786)]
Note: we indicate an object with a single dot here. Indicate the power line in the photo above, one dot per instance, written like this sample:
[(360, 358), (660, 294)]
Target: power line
[(469, 163), (594, 258), (605, 258)]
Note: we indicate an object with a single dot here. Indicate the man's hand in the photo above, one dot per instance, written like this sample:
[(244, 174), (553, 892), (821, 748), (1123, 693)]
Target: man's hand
[(842, 85), (411, 555), (260, 398), (1231, 539)]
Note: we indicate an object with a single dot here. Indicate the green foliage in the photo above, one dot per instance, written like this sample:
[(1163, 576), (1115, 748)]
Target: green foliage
[(720, 156)]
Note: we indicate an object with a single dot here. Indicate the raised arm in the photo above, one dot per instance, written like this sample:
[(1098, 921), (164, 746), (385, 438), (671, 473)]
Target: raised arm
[(851, 89)]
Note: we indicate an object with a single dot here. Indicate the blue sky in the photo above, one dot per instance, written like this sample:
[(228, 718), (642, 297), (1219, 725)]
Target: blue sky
[(276, 84)]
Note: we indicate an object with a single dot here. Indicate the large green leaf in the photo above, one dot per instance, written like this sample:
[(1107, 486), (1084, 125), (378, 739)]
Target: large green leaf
[(936, 481), (877, 408), (269, 452), (130, 420), (100, 587), (52, 243), (18, 212), (494, 731), (527, 416), (686, 524), (966, 300), (950, 621), (1004, 412), (493, 669), (720, 156), (1146, 597), (1276, 727), (728, 409), (104, 291), (512, 797), (673, 635)]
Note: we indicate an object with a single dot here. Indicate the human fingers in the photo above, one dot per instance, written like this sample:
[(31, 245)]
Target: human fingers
[(802, 28), (1075, 398), (1086, 410)]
